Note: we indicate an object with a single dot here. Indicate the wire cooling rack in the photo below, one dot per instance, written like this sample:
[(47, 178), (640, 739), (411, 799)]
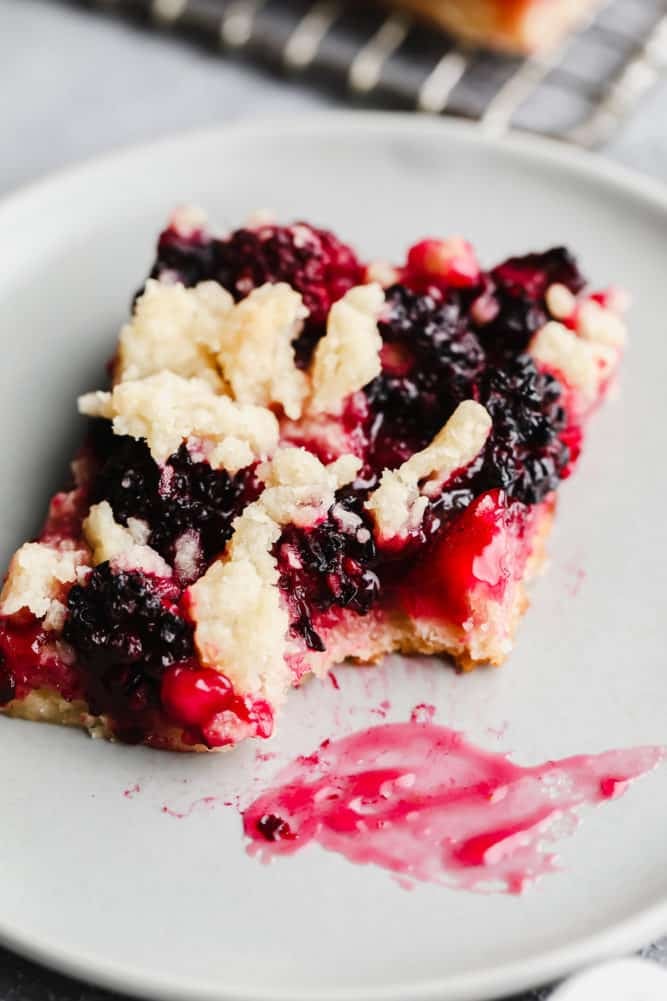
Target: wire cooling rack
[(580, 91)]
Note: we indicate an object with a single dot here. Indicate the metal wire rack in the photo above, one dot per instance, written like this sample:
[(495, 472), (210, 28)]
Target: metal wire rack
[(580, 91)]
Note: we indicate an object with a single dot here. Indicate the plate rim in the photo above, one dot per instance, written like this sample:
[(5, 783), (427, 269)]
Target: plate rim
[(490, 982)]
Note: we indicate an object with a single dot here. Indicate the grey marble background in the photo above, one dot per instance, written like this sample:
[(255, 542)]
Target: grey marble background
[(73, 84)]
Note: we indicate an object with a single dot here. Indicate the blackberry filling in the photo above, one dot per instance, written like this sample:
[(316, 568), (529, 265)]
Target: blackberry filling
[(313, 261), (189, 260), (127, 477), (532, 274), (187, 496), (516, 291), (331, 565), (431, 359), (126, 631), (525, 455), (337, 565)]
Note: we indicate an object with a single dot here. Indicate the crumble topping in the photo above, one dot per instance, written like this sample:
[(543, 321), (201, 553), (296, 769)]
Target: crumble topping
[(241, 625), (595, 323), (187, 220), (176, 329), (348, 356), (188, 556), (166, 410), (561, 302), (255, 350), (125, 548), (36, 576), (383, 272), (54, 620), (299, 488), (584, 364), (260, 218), (399, 503)]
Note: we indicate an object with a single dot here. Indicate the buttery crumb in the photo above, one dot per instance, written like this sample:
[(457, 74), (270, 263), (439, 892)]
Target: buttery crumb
[(348, 356), (255, 350), (595, 323), (167, 410), (186, 220), (584, 364), (241, 624), (175, 329), (37, 576), (382, 272), (299, 488), (561, 303), (125, 548)]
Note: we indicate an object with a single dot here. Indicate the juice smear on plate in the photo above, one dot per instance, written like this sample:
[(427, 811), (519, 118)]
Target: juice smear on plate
[(421, 801)]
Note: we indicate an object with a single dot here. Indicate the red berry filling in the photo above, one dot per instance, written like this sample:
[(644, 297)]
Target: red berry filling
[(441, 264), (30, 658), (482, 548), (193, 696)]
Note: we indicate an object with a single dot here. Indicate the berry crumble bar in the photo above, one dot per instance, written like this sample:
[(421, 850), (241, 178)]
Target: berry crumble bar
[(302, 458), (512, 25)]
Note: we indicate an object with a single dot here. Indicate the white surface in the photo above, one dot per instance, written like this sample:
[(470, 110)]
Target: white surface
[(625, 980), (115, 890)]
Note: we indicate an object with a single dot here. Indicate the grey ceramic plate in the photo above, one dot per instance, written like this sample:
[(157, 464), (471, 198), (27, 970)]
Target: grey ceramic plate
[(114, 889)]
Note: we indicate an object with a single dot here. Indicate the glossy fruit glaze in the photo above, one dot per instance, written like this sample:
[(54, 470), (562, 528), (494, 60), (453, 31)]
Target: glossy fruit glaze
[(422, 802)]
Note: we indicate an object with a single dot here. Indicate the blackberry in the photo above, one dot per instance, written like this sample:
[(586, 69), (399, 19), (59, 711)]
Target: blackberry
[(125, 632), (328, 566), (274, 828), (187, 495), (532, 274), (195, 496), (518, 319), (518, 287), (190, 259), (459, 495), (431, 361), (128, 478), (313, 261), (525, 455)]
